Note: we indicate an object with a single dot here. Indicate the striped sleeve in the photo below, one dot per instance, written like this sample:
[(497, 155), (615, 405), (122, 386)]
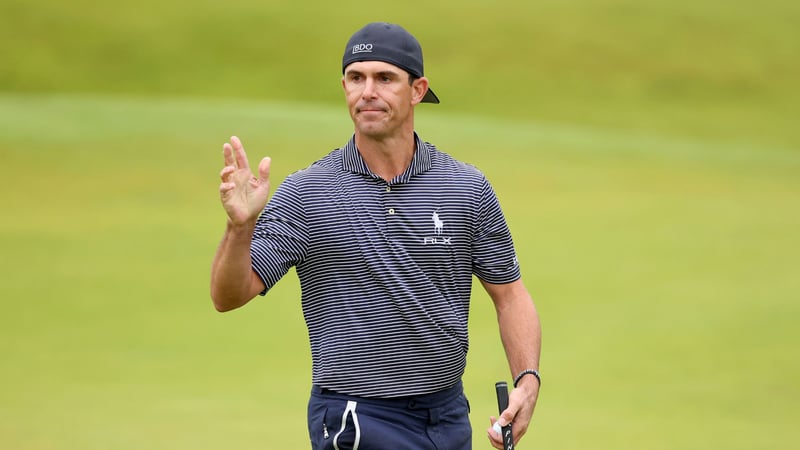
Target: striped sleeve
[(280, 239), (494, 259)]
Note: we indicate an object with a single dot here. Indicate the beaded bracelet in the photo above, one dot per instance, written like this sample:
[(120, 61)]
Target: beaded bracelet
[(528, 372)]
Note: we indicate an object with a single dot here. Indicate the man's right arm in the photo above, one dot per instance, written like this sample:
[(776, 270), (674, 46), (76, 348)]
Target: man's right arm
[(243, 195), (233, 281)]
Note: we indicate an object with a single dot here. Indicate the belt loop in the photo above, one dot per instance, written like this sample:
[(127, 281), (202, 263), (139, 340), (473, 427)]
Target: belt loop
[(433, 416)]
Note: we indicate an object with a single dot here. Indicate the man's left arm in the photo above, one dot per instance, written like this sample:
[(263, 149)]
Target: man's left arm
[(521, 334)]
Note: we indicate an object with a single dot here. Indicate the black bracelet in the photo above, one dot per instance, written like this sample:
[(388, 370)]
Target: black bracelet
[(528, 372)]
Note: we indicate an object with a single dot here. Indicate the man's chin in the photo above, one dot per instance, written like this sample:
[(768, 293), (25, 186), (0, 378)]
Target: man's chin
[(371, 129)]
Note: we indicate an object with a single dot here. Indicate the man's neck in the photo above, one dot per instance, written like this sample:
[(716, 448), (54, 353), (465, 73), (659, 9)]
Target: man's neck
[(388, 157)]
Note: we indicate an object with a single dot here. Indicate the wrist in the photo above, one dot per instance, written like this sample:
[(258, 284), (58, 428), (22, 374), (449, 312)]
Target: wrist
[(245, 228), (528, 377)]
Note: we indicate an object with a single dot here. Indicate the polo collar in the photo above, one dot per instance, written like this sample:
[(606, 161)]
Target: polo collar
[(353, 162)]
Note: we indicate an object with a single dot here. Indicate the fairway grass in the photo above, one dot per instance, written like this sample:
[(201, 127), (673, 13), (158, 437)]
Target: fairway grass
[(664, 268)]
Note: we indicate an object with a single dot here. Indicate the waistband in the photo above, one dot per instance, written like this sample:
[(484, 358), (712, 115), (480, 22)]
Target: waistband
[(424, 401)]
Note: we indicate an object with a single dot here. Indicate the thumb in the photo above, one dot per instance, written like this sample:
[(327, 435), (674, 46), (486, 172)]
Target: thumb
[(506, 417), (263, 169)]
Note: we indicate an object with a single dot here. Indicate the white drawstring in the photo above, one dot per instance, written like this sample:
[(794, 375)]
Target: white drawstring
[(351, 408)]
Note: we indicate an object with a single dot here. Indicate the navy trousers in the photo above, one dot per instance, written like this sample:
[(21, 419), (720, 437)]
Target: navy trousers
[(438, 421)]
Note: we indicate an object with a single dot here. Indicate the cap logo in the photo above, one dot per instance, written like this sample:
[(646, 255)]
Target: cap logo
[(362, 48)]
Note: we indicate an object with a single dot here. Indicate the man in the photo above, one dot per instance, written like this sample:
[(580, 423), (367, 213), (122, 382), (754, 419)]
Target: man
[(385, 234)]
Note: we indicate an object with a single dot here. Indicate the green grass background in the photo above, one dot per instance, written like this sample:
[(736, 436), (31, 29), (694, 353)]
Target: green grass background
[(646, 154)]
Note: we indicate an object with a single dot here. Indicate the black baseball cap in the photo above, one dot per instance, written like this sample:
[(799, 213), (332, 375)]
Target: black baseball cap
[(387, 42)]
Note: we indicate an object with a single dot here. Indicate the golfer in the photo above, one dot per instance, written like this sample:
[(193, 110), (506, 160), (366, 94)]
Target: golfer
[(385, 234)]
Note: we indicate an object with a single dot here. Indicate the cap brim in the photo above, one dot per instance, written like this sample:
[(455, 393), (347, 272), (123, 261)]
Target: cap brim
[(430, 97)]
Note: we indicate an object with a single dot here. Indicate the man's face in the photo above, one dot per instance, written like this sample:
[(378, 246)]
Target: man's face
[(380, 98)]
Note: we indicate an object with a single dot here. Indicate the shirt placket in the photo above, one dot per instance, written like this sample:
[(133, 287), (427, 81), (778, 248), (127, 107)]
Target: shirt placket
[(390, 206)]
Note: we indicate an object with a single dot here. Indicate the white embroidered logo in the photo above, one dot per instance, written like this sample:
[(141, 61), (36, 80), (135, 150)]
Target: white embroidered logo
[(438, 230), (438, 224), (362, 48)]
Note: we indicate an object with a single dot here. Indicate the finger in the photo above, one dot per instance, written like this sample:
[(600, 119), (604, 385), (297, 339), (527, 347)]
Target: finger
[(226, 172), (227, 153), (226, 187), (263, 169), (496, 445), (496, 428), (239, 153), (494, 437)]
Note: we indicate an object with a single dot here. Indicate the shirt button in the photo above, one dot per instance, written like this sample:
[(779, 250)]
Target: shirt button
[(391, 210), (388, 189)]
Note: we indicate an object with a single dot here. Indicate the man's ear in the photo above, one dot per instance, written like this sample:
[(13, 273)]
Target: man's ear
[(419, 88)]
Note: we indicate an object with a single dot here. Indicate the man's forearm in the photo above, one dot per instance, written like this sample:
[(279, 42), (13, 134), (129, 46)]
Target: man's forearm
[(522, 337), (231, 271), (521, 334)]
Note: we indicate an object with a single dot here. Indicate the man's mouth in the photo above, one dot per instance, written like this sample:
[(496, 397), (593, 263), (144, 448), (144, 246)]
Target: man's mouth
[(370, 109)]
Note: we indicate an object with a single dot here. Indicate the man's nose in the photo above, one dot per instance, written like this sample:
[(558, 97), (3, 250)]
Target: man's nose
[(370, 89)]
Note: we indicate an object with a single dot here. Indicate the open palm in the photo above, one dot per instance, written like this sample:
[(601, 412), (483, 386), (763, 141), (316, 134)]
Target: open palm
[(243, 195)]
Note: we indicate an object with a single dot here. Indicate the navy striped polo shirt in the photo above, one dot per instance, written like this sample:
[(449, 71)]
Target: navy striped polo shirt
[(385, 269)]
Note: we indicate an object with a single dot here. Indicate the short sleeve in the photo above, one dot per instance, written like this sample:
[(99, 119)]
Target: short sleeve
[(280, 239), (494, 259)]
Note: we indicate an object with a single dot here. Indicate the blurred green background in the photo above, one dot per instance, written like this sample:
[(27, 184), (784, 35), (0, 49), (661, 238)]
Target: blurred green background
[(646, 154)]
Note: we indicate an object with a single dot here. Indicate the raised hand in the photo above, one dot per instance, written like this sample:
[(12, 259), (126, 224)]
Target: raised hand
[(243, 195)]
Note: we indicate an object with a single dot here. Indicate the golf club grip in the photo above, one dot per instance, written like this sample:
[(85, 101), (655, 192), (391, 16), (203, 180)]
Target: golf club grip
[(502, 403)]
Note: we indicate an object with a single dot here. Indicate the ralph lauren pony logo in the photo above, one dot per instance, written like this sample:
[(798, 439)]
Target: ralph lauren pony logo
[(438, 230), (438, 224)]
